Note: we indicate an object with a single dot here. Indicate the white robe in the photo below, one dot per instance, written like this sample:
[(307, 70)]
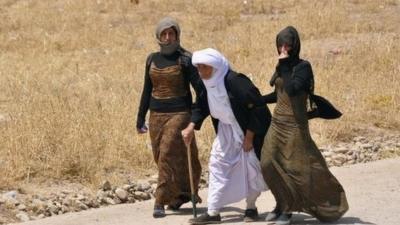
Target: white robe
[(234, 173)]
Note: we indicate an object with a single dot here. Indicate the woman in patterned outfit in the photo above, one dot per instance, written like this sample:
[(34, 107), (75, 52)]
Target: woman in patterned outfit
[(166, 93)]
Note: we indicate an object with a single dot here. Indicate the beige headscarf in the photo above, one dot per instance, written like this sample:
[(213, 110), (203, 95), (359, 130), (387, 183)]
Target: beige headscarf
[(165, 23)]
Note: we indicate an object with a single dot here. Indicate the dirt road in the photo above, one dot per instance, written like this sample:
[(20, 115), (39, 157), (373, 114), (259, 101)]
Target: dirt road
[(373, 192)]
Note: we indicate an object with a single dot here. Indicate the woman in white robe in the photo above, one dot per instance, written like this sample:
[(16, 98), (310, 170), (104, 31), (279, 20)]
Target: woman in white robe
[(235, 172)]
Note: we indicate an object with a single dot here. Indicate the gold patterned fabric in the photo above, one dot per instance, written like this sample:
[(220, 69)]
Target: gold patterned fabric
[(167, 82)]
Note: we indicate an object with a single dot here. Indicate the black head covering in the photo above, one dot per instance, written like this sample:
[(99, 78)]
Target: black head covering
[(291, 37)]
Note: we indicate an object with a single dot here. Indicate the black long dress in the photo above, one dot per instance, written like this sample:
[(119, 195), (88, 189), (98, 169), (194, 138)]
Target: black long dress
[(293, 167)]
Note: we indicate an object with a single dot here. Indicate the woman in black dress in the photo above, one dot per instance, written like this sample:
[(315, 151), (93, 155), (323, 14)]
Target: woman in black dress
[(293, 167)]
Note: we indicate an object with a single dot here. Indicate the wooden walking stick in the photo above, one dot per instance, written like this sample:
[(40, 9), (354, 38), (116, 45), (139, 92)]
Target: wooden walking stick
[(192, 189)]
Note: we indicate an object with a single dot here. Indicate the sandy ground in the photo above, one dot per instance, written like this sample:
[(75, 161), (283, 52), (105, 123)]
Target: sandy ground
[(373, 192)]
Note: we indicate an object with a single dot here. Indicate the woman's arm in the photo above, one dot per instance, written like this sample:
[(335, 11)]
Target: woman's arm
[(200, 110), (145, 98), (259, 115), (270, 98), (301, 79)]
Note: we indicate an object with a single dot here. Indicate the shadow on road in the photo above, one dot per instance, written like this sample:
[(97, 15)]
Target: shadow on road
[(300, 219), (297, 219), (306, 219), (187, 211)]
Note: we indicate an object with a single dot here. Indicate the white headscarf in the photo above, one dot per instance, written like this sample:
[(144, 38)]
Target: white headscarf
[(218, 99)]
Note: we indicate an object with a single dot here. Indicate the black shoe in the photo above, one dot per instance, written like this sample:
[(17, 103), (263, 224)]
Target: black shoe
[(206, 219), (159, 211), (273, 215), (284, 219), (250, 215)]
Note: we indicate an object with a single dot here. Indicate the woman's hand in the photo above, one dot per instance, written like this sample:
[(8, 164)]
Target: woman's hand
[(141, 127), (188, 134), (283, 52), (248, 141), (142, 130)]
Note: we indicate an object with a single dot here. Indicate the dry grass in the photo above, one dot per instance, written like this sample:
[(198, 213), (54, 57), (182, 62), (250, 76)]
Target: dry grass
[(71, 73)]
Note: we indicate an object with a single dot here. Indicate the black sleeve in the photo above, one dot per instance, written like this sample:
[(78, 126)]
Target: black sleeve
[(258, 118), (200, 109), (194, 79), (270, 98), (301, 79), (145, 98)]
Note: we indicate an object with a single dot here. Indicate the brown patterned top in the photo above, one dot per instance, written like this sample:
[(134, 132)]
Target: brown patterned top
[(167, 82)]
